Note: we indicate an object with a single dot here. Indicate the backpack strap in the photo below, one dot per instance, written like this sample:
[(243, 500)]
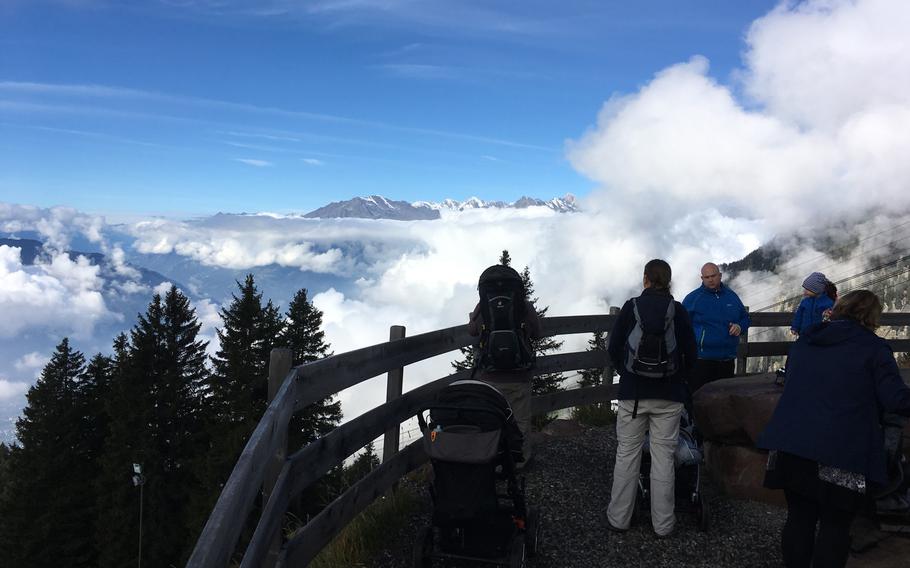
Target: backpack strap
[(637, 315), (668, 321)]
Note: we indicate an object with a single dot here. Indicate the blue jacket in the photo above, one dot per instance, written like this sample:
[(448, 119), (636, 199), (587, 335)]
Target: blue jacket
[(810, 311), (841, 378), (712, 312), (652, 305)]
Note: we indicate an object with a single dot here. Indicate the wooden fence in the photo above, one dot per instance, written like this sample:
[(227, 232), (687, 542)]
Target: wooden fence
[(264, 464)]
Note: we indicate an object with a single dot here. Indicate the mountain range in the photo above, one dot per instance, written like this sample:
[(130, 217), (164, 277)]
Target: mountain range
[(378, 207)]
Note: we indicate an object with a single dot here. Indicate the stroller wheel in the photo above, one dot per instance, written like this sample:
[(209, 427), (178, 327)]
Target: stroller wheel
[(423, 548), (532, 532), (703, 513), (517, 554)]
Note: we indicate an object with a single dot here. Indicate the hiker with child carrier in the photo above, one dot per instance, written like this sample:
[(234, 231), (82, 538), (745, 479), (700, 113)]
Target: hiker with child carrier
[(476, 434), (505, 323)]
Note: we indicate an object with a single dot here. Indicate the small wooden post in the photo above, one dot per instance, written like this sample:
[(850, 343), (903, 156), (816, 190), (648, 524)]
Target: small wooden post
[(608, 368), (393, 390), (742, 351), (279, 366)]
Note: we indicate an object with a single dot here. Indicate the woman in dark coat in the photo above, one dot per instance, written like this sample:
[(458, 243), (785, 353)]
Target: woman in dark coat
[(826, 442)]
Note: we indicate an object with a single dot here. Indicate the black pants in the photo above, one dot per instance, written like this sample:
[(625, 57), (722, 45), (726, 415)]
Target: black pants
[(709, 370), (802, 547)]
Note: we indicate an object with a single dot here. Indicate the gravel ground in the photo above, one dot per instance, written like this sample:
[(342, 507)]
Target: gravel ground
[(570, 484)]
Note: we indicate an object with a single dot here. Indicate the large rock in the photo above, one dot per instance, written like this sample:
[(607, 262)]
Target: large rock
[(740, 472), (735, 411)]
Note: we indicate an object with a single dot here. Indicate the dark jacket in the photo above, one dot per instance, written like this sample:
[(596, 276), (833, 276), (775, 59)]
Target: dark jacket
[(841, 377), (652, 305), (532, 328), (712, 312), (810, 311)]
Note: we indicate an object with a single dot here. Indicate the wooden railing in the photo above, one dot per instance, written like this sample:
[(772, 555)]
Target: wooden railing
[(264, 463)]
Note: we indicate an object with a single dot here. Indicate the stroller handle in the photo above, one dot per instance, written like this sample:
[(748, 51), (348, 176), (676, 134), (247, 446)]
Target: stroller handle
[(421, 421)]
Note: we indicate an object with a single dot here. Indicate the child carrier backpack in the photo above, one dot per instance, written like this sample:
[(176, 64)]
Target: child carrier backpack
[(504, 344), (652, 353)]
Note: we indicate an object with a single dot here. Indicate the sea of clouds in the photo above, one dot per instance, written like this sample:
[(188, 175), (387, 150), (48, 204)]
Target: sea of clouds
[(812, 131)]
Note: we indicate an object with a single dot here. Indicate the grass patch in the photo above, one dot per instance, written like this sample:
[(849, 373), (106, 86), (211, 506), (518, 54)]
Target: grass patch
[(370, 531), (594, 414)]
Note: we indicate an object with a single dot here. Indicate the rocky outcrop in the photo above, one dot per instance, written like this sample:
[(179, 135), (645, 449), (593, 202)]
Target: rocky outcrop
[(731, 414)]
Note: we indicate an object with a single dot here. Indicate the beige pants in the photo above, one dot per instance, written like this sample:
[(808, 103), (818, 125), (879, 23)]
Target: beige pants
[(661, 419), (519, 397)]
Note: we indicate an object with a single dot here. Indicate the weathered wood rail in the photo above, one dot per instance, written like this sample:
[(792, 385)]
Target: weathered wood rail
[(264, 464)]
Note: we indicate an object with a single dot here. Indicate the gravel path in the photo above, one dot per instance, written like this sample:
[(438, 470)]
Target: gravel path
[(570, 483)]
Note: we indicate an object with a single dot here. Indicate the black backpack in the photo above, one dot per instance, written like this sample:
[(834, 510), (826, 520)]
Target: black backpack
[(652, 353), (504, 344)]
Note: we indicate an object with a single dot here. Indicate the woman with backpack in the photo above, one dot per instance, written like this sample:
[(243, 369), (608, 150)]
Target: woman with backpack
[(653, 346)]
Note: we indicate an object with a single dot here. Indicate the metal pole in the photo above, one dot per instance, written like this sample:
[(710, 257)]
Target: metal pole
[(141, 486)]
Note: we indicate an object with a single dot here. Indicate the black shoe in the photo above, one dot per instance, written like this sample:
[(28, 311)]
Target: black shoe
[(615, 529)]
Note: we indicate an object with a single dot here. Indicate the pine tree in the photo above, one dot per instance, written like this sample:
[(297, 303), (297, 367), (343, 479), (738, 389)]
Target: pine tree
[(598, 413), (237, 388), (155, 411), (593, 377), (239, 384), (362, 465), (547, 382), (304, 336), (46, 505)]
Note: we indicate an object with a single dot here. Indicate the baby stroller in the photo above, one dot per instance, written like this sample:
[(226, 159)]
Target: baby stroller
[(473, 441), (688, 461)]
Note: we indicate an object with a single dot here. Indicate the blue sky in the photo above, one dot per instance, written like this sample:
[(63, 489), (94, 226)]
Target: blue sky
[(186, 107)]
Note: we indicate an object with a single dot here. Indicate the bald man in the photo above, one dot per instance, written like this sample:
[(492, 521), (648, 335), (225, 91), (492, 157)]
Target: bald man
[(719, 318)]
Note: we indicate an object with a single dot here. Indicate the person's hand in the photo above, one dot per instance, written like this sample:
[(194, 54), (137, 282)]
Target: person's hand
[(735, 330), (794, 333)]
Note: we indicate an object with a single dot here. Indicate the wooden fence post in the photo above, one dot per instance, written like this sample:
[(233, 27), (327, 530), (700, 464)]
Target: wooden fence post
[(393, 390), (280, 360), (608, 368), (742, 351)]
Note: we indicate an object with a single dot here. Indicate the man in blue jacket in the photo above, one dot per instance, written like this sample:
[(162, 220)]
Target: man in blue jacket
[(718, 318)]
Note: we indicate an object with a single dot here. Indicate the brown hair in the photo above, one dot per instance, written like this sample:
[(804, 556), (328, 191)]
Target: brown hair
[(658, 273), (861, 306)]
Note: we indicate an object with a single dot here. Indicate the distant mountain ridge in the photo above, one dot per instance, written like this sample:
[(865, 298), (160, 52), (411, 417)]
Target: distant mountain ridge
[(378, 207)]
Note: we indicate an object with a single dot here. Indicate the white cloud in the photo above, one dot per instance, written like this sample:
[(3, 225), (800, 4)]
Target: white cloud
[(313, 162), (31, 361), (820, 63), (254, 162), (57, 225), (12, 389), (63, 295), (823, 137)]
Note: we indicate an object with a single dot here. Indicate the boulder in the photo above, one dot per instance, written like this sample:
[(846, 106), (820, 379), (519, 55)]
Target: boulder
[(735, 411), (740, 472)]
